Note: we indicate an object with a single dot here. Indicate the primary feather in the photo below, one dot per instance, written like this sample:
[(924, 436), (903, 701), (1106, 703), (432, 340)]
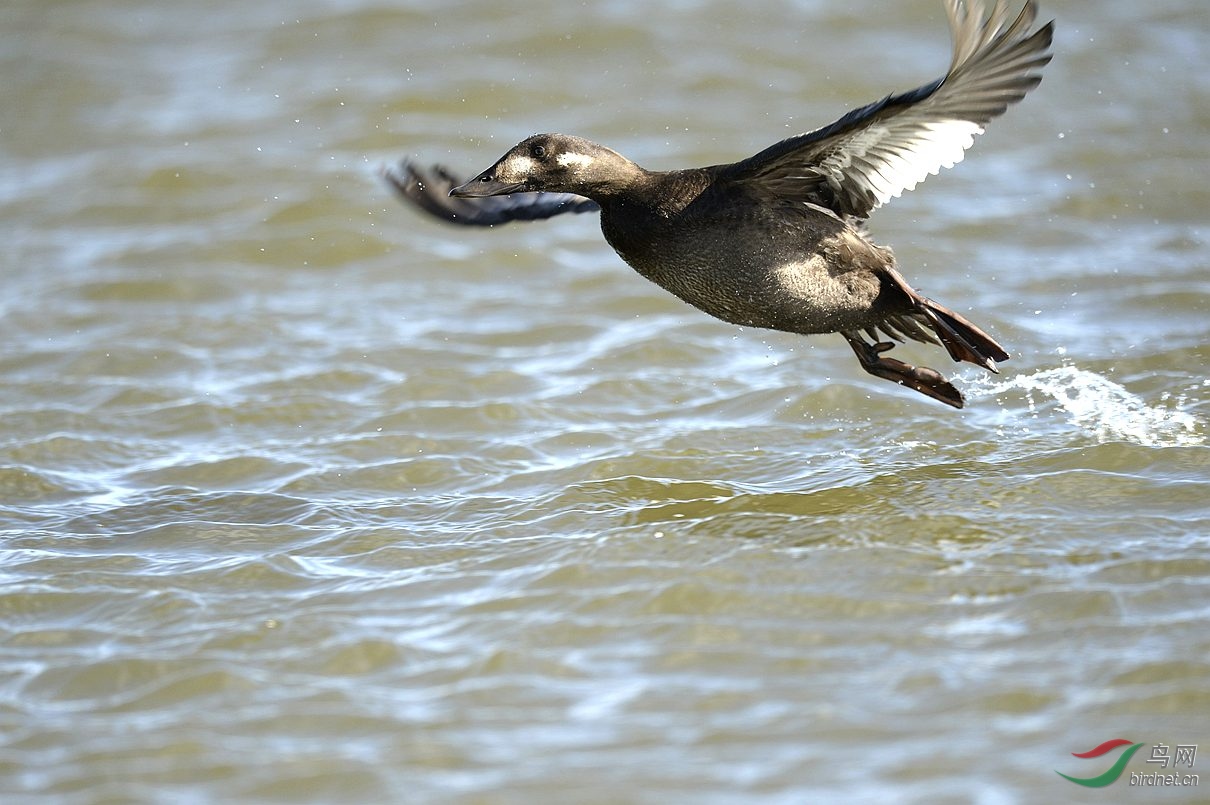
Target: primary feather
[(876, 153)]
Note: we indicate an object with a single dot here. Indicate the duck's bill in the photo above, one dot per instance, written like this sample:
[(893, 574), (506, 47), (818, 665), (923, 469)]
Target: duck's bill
[(485, 185)]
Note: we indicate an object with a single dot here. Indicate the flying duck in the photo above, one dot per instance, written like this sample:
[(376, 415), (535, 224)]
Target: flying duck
[(777, 240)]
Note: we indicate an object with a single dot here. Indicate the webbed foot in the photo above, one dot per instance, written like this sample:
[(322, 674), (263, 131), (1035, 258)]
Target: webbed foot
[(920, 378)]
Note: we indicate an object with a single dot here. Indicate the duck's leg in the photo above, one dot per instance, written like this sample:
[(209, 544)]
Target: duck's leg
[(924, 380)]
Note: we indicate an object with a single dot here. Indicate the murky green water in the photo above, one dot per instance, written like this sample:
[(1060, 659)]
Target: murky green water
[(306, 498)]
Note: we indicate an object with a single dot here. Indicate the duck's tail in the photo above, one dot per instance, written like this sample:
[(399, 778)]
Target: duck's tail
[(962, 339), (924, 320)]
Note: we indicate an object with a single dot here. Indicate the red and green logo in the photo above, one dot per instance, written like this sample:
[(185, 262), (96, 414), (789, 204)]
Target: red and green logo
[(1113, 772)]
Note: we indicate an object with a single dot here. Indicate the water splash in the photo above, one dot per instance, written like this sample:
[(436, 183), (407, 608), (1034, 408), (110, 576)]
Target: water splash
[(1103, 408)]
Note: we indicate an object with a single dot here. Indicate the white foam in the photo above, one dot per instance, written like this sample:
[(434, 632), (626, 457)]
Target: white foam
[(1103, 408)]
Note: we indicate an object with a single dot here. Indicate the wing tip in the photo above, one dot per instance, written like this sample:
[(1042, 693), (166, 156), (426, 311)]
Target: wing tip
[(427, 188), (423, 187)]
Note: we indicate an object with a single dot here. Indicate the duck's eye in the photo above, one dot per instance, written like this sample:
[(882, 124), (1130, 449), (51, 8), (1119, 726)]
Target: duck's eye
[(539, 151)]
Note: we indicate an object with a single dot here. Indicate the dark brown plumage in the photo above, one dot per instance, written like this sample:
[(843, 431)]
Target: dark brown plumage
[(776, 240)]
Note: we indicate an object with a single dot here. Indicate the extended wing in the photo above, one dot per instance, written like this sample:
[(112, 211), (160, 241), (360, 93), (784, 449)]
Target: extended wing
[(877, 152), (429, 189)]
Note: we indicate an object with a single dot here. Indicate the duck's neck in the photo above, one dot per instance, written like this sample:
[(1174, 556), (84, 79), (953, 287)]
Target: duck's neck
[(664, 193), (612, 176)]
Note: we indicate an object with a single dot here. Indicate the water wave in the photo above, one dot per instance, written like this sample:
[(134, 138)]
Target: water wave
[(1102, 408)]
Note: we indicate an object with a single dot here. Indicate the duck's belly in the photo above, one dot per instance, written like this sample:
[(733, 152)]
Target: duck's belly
[(806, 287)]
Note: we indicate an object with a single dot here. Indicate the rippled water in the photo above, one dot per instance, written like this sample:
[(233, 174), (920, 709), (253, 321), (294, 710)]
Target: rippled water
[(306, 498)]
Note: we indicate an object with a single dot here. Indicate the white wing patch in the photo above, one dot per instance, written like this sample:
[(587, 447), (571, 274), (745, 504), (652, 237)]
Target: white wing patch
[(571, 159), (932, 146)]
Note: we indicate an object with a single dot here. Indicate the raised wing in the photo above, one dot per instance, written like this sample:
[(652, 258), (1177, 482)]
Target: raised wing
[(429, 189), (876, 153)]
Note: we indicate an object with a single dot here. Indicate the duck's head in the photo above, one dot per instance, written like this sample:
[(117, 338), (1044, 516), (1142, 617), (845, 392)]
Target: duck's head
[(553, 162)]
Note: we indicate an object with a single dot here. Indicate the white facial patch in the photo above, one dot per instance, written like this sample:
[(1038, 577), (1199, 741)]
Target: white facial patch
[(516, 169), (571, 159)]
